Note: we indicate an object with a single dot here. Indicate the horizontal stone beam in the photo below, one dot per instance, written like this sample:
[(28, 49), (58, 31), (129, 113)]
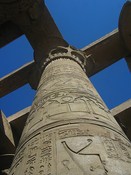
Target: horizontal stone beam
[(121, 113), (104, 52), (15, 79), (17, 122), (7, 145)]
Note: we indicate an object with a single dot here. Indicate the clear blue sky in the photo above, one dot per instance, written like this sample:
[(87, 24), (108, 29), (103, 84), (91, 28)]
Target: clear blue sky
[(81, 22)]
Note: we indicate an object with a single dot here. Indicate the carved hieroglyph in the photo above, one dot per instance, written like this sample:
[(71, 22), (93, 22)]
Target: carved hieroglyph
[(70, 131)]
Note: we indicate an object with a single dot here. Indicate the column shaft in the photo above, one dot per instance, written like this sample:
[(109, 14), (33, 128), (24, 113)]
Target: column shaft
[(70, 131)]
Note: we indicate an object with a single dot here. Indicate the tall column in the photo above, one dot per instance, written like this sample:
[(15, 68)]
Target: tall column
[(70, 131)]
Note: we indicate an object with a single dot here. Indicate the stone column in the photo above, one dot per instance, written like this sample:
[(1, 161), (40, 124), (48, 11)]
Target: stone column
[(70, 131)]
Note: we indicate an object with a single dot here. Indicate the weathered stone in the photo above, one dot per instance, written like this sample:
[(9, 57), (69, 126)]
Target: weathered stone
[(7, 147), (6, 141), (122, 114), (17, 122), (69, 129)]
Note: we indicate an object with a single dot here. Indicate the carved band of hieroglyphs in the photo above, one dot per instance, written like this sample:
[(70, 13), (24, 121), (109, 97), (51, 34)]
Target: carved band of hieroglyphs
[(29, 128), (80, 158), (74, 79), (64, 76), (38, 156), (66, 97), (63, 104), (70, 131), (59, 100), (65, 148), (70, 72)]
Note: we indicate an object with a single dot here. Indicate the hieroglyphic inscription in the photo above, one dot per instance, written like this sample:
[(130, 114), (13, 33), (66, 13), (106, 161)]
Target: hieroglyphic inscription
[(110, 148), (66, 97), (123, 148), (54, 105), (64, 75), (70, 130), (79, 157), (60, 76), (117, 149), (66, 149), (18, 161), (125, 152), (32, 156), (67, 94), (46, 162), (74, 132), (59, 69)]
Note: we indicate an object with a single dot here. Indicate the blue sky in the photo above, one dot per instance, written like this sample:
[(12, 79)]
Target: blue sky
[(81, 22)]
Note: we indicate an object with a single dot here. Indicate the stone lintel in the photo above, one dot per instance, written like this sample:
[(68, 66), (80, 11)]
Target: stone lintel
[(6, 137), (99, 50), (104, 52), (15, 79), (68, 119), (17, 122), (122, 114)]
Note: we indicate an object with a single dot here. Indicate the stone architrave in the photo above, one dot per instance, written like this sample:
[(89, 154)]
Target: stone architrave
[(6, 136), (70, 131), (5, 127), (7, 145)]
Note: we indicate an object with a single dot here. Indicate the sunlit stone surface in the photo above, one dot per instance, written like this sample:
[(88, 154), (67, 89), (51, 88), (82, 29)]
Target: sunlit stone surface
[(70, 131)]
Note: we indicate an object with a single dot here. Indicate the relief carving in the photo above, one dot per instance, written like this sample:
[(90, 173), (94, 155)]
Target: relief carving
[(70, 130), (78, 160)]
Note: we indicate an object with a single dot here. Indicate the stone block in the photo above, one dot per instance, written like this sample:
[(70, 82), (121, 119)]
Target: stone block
[(7, 145), (122, 114)]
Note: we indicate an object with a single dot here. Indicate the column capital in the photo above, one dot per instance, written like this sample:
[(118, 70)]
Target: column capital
[(66, 53), (59, 52)]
